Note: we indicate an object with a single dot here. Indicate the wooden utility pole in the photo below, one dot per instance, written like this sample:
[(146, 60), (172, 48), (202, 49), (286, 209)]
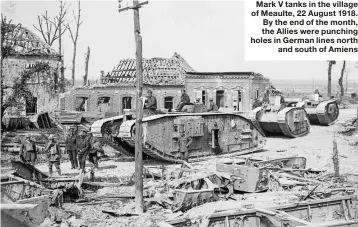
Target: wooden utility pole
[(139, 108)]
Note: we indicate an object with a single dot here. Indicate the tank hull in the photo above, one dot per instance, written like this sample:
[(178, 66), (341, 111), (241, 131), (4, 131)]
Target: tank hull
[(290, 121), (324, 114), (192, 136)]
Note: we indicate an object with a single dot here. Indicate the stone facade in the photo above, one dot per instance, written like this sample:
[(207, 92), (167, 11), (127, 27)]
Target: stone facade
[(166, 77), (228, 89), (13, 66), (27, 49), (117, 95)]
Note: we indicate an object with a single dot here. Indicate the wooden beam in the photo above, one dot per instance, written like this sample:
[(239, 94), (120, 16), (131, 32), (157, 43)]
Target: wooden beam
[(139, 114), (15, 206), (331, 224), (164, 224)]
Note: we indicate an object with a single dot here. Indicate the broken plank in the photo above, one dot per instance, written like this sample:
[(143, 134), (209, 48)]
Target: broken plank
[(331, 223), (282, 215), (164, 224), (301, 178), (15, 206), (104, 184)]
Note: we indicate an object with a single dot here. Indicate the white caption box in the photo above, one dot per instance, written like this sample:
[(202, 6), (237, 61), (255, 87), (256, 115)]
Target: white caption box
[(339, 23)]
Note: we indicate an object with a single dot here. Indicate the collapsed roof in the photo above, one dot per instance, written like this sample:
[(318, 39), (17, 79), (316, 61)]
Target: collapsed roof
[(21, 41), (156, 71)]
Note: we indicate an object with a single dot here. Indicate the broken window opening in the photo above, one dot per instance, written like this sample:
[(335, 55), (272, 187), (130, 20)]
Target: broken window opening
[(81, 104), (220, 98), (168, 102), (126, 103), (203, 97), (31, 106), (103, 104)]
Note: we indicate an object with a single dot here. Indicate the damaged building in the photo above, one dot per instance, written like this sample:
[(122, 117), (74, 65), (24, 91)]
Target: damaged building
[(28, 53), (165, 77)]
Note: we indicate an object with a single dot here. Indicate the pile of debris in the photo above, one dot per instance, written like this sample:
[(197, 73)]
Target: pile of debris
[(240, 190)]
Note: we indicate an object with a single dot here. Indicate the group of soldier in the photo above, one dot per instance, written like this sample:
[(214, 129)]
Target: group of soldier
[(151, 102), (78, 148)]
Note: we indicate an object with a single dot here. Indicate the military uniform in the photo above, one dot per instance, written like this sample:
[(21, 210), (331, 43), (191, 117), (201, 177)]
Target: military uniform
[(54, 155), (184, 100), (94, 149), (151, 103), (28, 151), (83, 146), (71, 150), (213, 107)]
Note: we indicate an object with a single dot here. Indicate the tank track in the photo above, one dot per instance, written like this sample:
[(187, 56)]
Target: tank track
[(321, 113), (151, 151), (281, 119), (115, 146)]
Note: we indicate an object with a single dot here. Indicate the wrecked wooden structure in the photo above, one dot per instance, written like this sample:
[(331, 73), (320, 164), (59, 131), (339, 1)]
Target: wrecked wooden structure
[(327, 212), (23, 203)]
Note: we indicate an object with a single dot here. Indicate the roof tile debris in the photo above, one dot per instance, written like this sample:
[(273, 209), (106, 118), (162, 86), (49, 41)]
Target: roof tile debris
[(156, 71), (26, 43)]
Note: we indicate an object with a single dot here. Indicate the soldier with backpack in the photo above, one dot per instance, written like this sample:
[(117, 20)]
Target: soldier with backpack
[(53, 154), (83, 146), (28, 151), (95, 148)]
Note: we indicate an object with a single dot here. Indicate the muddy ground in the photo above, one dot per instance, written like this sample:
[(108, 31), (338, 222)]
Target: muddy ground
[(316, 147)]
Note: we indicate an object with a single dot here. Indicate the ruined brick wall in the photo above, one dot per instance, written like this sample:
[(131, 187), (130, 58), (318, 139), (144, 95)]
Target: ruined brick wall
[(259, 86), (213, 83), (13, 66), (116, 95)]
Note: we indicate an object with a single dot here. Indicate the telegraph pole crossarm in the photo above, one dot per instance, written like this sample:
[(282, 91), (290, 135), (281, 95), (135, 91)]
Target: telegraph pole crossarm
[(139, 107), (133, 7)]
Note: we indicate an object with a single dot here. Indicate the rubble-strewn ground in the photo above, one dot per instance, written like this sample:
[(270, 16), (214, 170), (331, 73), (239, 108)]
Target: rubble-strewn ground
[(316, 147)]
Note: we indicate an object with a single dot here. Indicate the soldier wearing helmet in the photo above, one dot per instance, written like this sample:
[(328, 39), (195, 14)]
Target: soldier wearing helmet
[(83, 146), (28, 151), (95, 148), (150, 102), (71, 148), (54, 154)]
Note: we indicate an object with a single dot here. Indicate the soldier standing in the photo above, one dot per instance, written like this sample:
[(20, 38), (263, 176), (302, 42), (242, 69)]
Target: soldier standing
[(83, 147), (28, 151), (71, 148), (95, 147), (54, 154)]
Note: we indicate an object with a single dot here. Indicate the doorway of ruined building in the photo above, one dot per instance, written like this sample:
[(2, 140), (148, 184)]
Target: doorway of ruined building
[(31, 106), (103, 104), (81, 104), (220, 98), (126, 104)]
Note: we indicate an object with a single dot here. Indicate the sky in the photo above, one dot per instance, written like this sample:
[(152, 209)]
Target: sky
[(209, 35)]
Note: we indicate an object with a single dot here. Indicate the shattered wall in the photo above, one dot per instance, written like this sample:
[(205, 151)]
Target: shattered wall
[(231, 84), (13, 66), (116, 93)]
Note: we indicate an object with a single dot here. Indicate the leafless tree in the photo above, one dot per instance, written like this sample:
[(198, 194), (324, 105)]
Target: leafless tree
[(60, 19), (87, 57), (74, 37), (329, 86), (51, 30), (340, 81)]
